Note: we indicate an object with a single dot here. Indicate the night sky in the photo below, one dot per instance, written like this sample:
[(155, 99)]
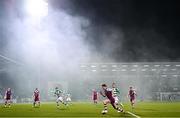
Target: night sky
[(151, 29), (147, 30)]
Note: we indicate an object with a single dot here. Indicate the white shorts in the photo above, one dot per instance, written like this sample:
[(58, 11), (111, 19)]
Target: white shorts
[(60, 99), (116, 99), (68, 99)]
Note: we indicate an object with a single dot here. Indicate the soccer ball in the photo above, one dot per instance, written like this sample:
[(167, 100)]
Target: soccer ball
[(104, 111)]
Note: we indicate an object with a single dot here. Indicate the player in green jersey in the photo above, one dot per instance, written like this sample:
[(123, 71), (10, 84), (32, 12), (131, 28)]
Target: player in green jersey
[(116, 94)]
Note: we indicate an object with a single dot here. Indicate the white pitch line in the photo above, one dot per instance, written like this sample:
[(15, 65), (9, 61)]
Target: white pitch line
[(133, 114)]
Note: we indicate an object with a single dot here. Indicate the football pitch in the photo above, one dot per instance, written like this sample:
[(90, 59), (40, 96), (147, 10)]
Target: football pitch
[(83, 109)]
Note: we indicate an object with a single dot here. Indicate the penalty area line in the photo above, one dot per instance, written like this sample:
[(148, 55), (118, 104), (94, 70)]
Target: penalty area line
[(133, 114)]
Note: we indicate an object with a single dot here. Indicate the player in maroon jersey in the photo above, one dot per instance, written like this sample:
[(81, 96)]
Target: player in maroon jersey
[(132, 96), (8, 97), (36, 97), (107, 92), (95, 96)]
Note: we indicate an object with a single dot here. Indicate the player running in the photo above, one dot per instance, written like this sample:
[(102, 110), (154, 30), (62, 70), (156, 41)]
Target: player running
[(107, 92), (36, 97), (59, 95), (116, 92), (68, 98), (8, 97), (95, 96), (132, 95)]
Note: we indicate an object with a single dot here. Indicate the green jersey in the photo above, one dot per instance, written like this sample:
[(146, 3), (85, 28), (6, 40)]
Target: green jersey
[(58, 93), (116, 91)]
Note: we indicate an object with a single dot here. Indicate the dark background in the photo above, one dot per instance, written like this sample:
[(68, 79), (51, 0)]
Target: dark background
[(151, 28)]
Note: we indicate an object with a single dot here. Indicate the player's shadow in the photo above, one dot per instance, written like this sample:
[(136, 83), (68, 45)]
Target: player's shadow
[(36, 107), (62, 109), (5, 107)]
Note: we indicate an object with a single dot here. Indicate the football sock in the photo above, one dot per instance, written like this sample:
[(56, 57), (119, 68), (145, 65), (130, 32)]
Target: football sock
[(105, 107)]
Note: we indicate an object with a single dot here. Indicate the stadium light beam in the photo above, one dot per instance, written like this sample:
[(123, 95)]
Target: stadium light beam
[(37, 8), (10, 60)]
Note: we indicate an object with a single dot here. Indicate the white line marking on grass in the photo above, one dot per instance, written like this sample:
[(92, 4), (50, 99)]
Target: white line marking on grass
[(133, 114)]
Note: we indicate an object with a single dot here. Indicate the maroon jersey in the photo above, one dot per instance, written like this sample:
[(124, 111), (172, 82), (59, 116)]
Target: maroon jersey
[(8, 94), (109, 95), (95, 95), (132, 94), (36, 95)]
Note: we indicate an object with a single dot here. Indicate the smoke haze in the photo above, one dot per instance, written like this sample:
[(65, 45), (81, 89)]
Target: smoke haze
[(51, 49)]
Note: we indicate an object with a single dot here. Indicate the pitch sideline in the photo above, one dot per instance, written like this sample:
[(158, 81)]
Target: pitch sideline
[(133, 114)]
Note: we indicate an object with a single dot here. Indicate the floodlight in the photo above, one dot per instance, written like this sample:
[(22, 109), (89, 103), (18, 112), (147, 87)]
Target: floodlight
[(123, 70), (104, 66), (124, 66), (146, 65), (36, 8), (114, 65), (143, 70), (93, 66), (175, 75), (133, 70), (113, 69), (135, 65), (164, 75), (104, 70), (83, 66), (156, 65)]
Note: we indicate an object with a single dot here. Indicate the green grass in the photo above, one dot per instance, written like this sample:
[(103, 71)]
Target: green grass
[(142, 109), (157, 109)]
